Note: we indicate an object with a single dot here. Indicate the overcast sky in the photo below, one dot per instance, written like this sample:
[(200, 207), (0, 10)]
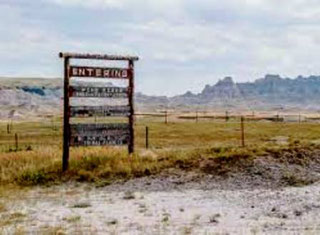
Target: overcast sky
[(183, 44)]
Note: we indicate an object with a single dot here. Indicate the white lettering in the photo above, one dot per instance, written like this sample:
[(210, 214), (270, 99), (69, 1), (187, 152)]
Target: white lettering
[(90, 72), (124, 73), (74, 71), (82, 72), (98, 72), (117, 73), (106, 73)]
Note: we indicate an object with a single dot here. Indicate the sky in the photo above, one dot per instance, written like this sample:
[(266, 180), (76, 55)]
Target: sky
[(182, 44)]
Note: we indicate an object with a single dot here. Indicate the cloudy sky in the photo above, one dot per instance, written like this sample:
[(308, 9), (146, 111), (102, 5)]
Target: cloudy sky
[(183, 44)]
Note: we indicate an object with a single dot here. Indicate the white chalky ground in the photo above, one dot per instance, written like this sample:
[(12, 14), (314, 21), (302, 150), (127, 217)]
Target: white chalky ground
[(84, 209)]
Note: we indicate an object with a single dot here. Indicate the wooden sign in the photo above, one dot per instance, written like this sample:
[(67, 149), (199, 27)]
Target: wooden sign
[(99, 140), (99, 92), (100, 111), (98, 72), (99, 134), (99, 129)]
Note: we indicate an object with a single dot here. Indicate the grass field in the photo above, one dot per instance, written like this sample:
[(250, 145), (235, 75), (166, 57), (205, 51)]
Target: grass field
[(38, 159)]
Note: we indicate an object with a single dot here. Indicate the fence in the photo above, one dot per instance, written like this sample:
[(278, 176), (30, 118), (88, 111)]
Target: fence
[(165, 130)]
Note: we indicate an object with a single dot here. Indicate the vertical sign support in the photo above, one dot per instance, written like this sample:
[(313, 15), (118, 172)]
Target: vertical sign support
[(131, 104), (66, 117)]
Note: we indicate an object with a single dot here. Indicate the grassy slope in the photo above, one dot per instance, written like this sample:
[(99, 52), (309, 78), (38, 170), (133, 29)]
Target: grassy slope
[(176, 144)]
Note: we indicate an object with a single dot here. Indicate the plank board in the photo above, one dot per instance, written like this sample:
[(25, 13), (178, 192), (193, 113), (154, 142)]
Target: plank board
[(98, 92), (98, 140), (98, 72), (99, 134), (100, 111)]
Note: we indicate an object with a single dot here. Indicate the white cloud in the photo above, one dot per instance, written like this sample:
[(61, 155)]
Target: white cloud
[(92, 3), (186, 42)]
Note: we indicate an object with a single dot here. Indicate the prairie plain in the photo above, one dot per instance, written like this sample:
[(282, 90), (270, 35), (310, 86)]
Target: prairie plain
[(185, 182)]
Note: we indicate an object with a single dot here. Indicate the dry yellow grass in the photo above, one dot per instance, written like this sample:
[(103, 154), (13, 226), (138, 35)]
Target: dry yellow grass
[(182, 142)]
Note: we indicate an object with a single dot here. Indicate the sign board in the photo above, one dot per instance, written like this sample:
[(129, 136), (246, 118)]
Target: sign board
[(99, 129), (100, 111), (97, 134), (97, 72), (99, 92), (99, 140)]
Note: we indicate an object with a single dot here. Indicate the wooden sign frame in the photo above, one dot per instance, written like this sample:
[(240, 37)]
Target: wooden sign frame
[(95, 72)]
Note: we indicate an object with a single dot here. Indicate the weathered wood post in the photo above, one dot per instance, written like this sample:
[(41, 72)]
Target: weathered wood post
[(166, 117), (131, 104), (197, 116), (242, 132), (16, 141), (227, 116), (8, 128), (299, 118), (147, 137), (66, 117)]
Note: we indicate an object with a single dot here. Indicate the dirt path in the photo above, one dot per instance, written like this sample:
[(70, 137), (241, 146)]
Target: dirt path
[(157, 205)]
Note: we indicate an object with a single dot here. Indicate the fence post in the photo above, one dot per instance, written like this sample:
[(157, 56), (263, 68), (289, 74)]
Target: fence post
[(16, 141), (8, 128), (147, 137), (242, 132), (197, 116), (227, 116), (166, 117), (53, 125)]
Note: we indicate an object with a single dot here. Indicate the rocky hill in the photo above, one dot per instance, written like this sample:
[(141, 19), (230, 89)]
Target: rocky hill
[(34, 97), (268, 93), (29, 97)]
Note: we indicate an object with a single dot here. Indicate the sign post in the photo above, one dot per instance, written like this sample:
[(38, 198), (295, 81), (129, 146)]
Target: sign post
[(97, 134), (66, 117)]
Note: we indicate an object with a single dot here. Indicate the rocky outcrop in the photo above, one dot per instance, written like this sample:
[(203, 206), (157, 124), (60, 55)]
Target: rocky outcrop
[(270, 92), (40, 96)]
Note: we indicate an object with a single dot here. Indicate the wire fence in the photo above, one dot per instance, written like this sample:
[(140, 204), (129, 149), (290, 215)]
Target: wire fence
[(168, 130)]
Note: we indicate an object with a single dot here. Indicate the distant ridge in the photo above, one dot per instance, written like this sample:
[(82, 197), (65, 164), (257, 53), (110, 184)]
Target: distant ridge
[(36, 96), (270, 92)]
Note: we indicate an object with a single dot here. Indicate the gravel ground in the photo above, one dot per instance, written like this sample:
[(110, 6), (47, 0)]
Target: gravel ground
[(164, 204), (219, 196)]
